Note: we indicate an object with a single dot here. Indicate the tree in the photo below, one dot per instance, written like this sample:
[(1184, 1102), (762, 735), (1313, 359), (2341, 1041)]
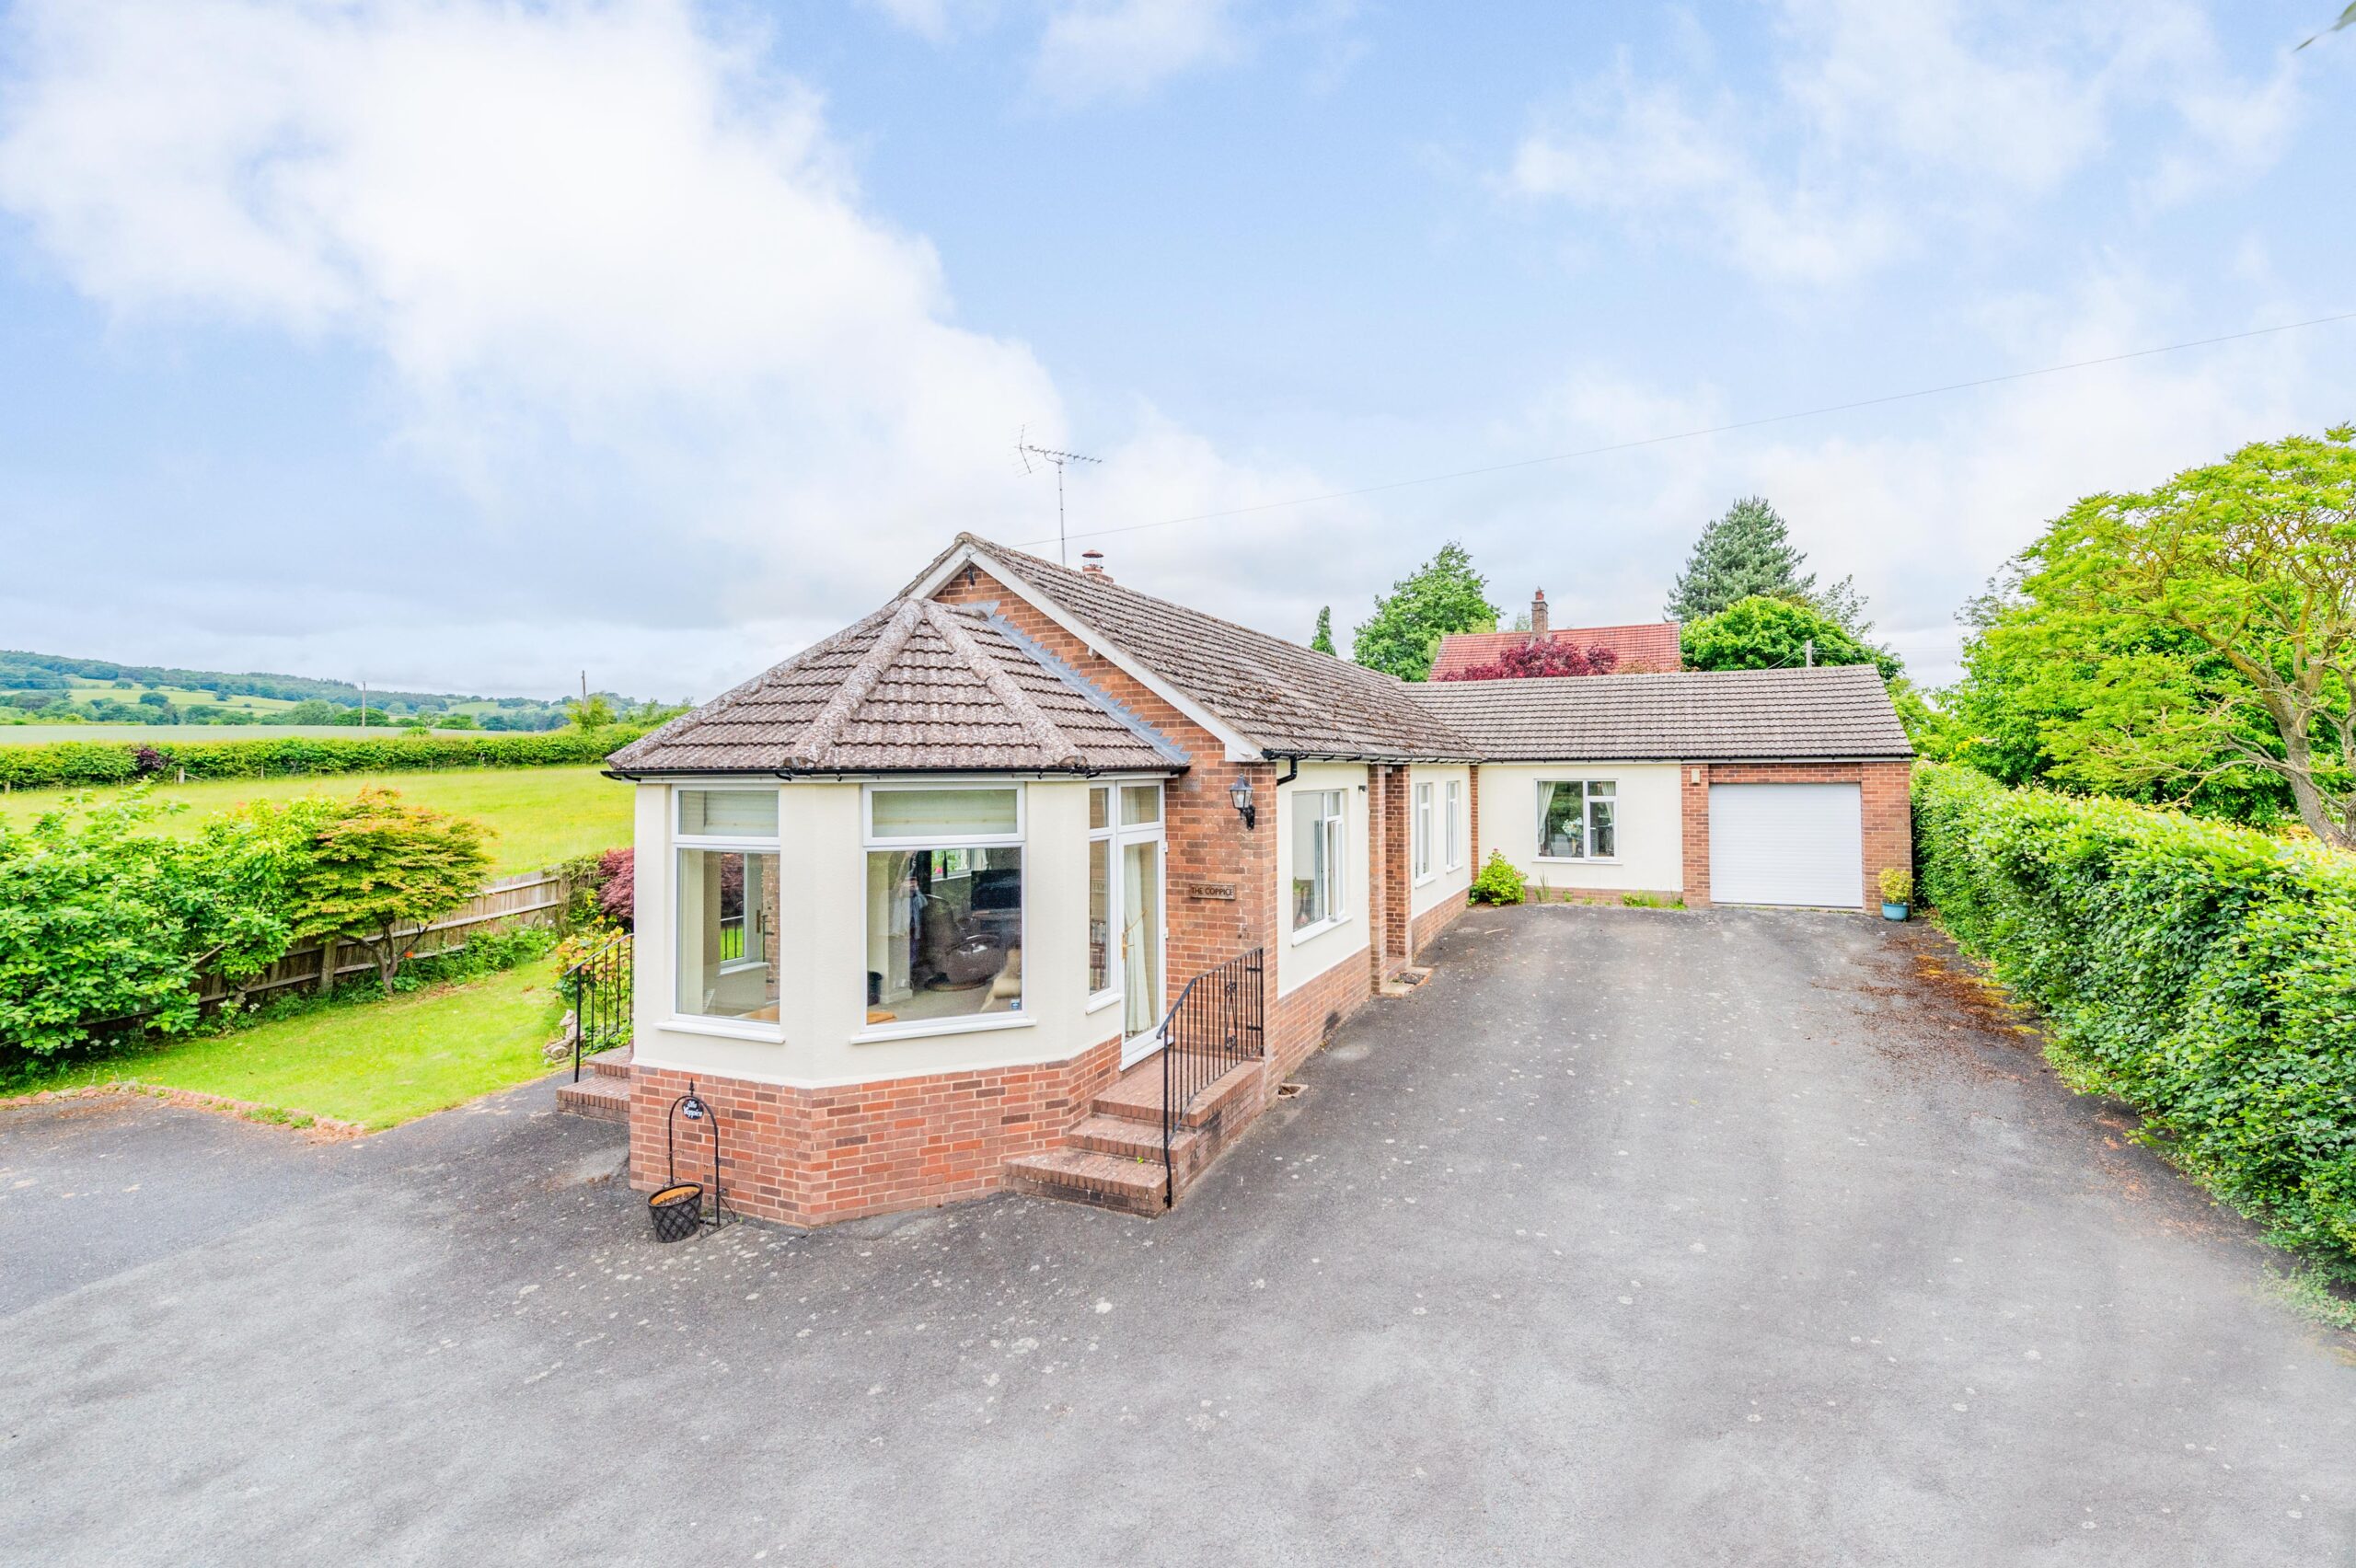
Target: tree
[(1762, 633), (1322, 639), (376, 873), (1536, 659), (2214, 619), (590, 712), (1747, 552), (1444, 595)]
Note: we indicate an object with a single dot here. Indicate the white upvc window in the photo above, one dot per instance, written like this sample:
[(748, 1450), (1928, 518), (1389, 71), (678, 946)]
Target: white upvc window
[(1321, 848), (1454, 819), (945, 910), (1578, 819), (1127, 895), (724, 908), (1423, 832)]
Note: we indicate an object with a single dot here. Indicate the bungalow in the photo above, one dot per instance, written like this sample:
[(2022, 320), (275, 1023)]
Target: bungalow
[(1031, 880)]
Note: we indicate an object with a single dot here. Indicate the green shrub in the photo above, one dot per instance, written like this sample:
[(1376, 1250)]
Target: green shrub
[(1499, 883), (83, 763), (1896, 885), (2200, 971)]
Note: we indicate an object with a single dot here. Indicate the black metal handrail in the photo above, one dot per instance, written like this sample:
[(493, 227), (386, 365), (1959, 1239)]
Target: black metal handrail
[(1216, 1024), (599, 989)]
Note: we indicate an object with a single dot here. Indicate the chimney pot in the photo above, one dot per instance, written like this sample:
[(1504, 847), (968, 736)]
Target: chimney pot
[(1092, 563), (1538, 613)]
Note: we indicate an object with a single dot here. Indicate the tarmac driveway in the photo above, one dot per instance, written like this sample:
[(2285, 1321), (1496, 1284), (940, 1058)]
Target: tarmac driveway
[(1632, 1238)]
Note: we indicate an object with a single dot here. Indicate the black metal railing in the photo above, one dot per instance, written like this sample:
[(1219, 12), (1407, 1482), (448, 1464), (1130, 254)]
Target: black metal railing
[(598, 988), (1216, 1024)]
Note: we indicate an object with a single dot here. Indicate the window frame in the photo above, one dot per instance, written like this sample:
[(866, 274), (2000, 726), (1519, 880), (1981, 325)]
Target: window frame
[(870, 844), (1331, 825), (1453, 821), (1422, 810), (727, 844), (1587, 821), (1115, 836), (869, 839)]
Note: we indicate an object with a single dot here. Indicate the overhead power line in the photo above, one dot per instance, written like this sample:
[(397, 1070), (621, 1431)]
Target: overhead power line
[(1707, 430)]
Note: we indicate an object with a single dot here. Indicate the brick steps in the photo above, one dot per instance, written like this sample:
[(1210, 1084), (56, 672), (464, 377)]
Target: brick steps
[(602, 1093), (1111, 1158)]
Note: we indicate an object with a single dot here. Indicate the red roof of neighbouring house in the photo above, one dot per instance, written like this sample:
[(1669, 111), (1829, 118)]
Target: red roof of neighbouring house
[(1649, 647)]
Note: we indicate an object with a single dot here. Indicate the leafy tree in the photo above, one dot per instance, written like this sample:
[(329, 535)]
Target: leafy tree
[(2214, 621), (2346, 19), (101, 924), (1762, 633), (1744, 553), (376, 873), (1322, 639), (2041, 679), (1444, 595), (592, 712), (1536, 659)]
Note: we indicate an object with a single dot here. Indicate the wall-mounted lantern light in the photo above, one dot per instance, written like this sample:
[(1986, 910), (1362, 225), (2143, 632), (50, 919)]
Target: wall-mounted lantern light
[(1239, 795)]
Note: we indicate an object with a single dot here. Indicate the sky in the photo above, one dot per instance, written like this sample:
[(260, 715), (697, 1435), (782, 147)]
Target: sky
[(460, 345)]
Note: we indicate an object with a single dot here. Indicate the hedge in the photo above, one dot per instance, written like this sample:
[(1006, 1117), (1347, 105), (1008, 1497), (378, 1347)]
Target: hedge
[(2205, 973), (83, 763)]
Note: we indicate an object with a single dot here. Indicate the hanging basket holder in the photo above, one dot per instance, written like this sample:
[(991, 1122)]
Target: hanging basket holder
[(678, 1209)]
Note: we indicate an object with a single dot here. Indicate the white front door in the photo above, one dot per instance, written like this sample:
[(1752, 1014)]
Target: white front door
[(1143, 939), (1791, 844)]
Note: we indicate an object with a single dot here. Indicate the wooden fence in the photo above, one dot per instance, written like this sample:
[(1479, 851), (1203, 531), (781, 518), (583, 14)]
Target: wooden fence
[(534, 898)]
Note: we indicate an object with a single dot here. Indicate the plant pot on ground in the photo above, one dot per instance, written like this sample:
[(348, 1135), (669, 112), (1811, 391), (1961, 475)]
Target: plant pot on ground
[(1896, 892)]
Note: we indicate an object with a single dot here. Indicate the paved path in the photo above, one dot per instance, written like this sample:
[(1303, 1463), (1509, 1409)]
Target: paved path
[(1633, 1237)]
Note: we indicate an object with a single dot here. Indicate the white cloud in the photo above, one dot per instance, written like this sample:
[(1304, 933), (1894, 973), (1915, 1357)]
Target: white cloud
[(627, 297), (1115, 49), (1885, 123)]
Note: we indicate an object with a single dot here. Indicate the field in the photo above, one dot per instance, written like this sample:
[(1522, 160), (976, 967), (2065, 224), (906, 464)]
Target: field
[(376, 1063), (81, 690), (543, 814), (159, 735)]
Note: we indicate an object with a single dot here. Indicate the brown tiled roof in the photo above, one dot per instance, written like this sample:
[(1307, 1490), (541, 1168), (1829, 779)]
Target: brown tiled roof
[(917, 686), (1647, 645), (1281, 696), (1695, 716)]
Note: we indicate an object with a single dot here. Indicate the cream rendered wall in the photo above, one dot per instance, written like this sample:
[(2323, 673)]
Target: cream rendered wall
[(822, 1036), (1650, 822), (1444, 884), (1298, 961)]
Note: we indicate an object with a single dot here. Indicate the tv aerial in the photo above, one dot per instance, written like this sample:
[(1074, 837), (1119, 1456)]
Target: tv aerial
[(1032, 455)]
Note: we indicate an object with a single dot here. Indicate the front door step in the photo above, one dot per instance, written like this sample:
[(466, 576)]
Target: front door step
[(1113, 1156)]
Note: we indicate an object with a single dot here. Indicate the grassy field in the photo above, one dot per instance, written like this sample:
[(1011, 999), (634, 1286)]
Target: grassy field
[(163, 735), (376, 1063), (543, 814)]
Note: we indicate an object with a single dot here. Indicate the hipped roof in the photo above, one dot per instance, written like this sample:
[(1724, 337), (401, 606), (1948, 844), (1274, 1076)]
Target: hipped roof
[(1696, 716), (917, 686)]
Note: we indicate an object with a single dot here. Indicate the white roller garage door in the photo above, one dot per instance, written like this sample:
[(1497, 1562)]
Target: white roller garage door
[(1787, 843)]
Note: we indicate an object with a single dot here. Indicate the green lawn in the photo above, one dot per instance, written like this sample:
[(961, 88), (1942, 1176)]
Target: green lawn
[(376, 1063), (544, 815)]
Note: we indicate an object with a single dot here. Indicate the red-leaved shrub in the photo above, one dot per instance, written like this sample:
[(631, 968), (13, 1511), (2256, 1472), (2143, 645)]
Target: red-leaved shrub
[(1537, 658)]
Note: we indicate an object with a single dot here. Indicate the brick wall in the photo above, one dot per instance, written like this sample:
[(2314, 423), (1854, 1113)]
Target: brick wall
[(1433, 921), (815, 1155), (1882, 789), (1390, 877)]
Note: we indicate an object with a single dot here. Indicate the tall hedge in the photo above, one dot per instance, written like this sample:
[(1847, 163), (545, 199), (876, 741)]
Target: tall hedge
[(2203, 973), (84, 763)]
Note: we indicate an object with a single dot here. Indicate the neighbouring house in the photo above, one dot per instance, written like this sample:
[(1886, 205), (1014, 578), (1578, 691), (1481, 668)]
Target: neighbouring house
[(1644, 648), (918, 910)]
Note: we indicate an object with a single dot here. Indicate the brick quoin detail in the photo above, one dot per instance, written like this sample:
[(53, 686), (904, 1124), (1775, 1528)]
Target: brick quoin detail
[(816, 1156), (1882, 791)]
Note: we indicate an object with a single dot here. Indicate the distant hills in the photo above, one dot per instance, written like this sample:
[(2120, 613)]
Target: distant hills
[(51, 686)]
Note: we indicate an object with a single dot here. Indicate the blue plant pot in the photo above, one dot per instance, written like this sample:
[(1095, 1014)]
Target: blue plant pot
[(1893, 911)]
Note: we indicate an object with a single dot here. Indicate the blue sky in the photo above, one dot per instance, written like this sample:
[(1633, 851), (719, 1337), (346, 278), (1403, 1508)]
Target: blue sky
[(469, 345)]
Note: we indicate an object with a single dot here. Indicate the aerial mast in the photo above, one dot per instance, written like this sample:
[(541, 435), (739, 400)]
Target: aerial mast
[(1026, 451)]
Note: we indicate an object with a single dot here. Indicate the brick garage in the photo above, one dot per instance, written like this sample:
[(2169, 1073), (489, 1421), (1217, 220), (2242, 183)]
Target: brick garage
[(1888, 818)]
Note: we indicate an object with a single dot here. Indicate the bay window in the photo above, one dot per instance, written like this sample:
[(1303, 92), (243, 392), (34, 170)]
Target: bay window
[(1576, 820), (944, 901), (1321, 844), (726, 903)]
